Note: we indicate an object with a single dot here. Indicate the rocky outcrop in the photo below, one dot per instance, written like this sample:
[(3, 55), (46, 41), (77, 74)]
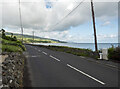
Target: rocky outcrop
[(12, 70)]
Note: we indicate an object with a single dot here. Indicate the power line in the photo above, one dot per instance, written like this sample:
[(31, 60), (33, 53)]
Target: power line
[(21, 20), (69, 13)]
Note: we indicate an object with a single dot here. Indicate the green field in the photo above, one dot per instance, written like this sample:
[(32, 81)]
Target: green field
[(37, 40), (29, 39), (12, 42)]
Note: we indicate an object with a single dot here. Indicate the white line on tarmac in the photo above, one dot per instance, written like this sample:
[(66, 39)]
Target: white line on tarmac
[(86, 74), (111, 65), (82, 57), (1, 86), (54, 58), (33, 56), (39, 50), (44, 53)]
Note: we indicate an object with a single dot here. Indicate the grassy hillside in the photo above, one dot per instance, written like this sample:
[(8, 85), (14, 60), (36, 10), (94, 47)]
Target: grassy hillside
[(29, 39), (10, 44)]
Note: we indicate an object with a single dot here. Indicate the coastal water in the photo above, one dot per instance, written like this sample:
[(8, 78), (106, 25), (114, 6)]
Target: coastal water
[(82, 45)]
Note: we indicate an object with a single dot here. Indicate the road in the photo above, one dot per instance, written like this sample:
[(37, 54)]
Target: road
[(58, 69)]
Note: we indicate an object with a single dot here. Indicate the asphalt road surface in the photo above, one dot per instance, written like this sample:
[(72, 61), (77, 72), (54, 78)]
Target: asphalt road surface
[(58, 69)]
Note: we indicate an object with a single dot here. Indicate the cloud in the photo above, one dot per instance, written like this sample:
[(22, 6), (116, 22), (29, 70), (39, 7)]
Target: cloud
[(101, 36), (106, 23), (35, 16)]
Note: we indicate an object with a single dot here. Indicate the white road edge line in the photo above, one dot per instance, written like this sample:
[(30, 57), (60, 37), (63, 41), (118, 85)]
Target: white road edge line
[(39, 50), (33, 56), (82, 57), (86, 74), (44, 53), (1, 86), (54, 58)]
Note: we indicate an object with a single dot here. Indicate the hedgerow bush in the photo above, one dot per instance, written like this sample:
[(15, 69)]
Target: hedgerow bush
[(114, 53), (10, 38), (11, 44)]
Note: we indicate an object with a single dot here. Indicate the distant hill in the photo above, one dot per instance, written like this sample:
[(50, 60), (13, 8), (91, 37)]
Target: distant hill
[(37, 39)]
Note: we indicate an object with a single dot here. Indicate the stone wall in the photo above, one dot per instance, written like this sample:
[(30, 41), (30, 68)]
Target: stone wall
[(12, 70), (2, 58)]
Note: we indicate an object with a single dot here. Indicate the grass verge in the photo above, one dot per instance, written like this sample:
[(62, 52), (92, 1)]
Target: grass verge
[(75, 51), (11, 46)]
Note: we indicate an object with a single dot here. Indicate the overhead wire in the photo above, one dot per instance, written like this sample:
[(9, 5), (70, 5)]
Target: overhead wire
[(68, 14)]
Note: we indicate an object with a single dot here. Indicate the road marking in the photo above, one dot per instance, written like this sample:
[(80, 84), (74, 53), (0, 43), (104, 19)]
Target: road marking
[(86, 74), (111, 65), (54, 58), (82, 57), (44, 53), (104, 64), (33, 56), (97, 61), (1, 86), (39, 50)]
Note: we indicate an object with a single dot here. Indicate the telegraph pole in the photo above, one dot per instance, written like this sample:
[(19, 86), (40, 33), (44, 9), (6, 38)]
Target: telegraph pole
[(93, 17), (33, 36), (21, 21)]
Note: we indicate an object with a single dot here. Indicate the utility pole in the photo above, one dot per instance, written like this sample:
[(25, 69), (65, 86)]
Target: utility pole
[(21, 21), (33, 36), (2, 25), (93, 17)]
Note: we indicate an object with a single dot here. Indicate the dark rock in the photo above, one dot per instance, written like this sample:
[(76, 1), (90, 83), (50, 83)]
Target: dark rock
[(12, 71)]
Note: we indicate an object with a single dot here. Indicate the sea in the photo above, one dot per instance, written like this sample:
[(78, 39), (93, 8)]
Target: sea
[(82, 45)]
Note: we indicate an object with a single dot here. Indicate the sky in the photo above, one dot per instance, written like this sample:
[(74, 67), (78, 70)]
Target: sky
[(42, 16)]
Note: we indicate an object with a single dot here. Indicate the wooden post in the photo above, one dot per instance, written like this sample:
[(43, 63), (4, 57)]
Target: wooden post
[(21, 21), (93, 17), (33, 36)]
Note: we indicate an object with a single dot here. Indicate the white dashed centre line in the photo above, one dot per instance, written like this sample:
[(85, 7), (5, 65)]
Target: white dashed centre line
[(54, 58), (86, 74), (44, 53)]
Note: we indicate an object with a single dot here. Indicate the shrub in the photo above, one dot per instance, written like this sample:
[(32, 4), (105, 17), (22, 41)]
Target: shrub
[(114, 53), (3, 33), (14, 38), (11, 48), (9, 38)]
